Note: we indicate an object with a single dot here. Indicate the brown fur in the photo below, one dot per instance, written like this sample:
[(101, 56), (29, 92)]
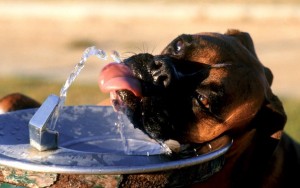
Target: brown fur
[(17, 101), (261, 155)]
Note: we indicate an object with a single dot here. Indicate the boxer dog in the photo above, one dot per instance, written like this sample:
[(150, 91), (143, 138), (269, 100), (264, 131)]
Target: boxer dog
[(203, 87)]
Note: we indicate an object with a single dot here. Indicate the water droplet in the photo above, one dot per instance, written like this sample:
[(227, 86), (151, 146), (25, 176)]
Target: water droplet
[(101, 54), (116, 56), (165, 148)]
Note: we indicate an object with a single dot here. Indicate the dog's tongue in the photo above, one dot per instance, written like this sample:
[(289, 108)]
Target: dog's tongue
[(117, 76)]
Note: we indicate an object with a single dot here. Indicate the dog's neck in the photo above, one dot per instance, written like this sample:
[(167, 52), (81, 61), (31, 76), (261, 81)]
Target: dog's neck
[(240, 165)]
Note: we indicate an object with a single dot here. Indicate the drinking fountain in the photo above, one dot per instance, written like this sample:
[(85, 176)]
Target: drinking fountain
[(90, 139), (87, 140)]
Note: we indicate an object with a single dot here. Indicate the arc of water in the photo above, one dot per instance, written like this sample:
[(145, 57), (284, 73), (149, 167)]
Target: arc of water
[(116, 56), (90, 51)]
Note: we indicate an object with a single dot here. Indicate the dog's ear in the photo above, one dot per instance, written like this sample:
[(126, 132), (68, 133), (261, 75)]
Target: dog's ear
[(269, 75), (271, 118), (247, 41), (244, 38)]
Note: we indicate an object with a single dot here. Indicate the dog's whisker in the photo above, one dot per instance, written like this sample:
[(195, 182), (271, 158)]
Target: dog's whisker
[(143, 49), (153, 49), (128, 54)]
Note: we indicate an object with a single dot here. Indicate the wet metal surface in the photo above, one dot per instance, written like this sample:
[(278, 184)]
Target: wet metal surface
[(89, 143), (40, 137)]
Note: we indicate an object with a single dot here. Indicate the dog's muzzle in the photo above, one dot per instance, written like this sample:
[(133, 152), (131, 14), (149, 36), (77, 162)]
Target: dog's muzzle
[(154, 92), (141, 87)]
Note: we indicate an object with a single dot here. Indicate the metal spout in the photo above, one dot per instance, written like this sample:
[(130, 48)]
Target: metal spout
[(40, 137)]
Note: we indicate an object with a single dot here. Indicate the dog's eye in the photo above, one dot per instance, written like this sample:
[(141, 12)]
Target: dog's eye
[(179, 46), (203, 101)]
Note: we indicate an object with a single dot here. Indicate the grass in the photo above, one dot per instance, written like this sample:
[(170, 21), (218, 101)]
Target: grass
[(292, 108), (89, 94), (39, 89)]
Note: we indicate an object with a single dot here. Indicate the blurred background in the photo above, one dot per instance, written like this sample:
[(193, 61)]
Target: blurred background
[(42, 41)]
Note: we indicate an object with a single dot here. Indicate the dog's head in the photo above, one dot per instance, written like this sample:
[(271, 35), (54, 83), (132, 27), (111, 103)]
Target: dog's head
[(200, 87)]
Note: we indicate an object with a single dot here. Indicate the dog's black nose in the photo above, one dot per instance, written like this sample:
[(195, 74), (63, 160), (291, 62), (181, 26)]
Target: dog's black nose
[(156, 72), (163, 72)]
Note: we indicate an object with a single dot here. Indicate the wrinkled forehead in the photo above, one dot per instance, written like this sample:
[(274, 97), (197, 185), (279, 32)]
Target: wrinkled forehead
[(208, 48), (212, 49), (225, 56)]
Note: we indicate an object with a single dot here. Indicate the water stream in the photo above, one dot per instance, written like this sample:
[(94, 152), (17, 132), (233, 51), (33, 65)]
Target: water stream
[(63, 92), (91, 51)]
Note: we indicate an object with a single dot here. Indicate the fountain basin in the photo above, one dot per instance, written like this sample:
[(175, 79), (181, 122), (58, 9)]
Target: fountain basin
[(89, 142)]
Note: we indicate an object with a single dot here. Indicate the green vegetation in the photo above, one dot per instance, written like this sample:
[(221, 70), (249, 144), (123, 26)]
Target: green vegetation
[(292, 109), (39, 89), (89, 94)]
